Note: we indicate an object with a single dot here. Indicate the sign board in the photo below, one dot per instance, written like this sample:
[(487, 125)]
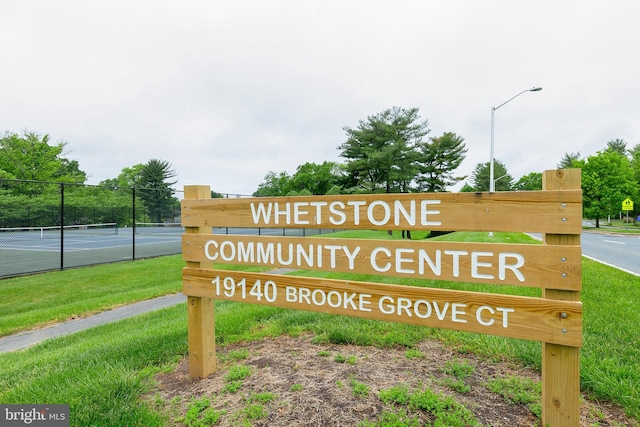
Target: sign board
[(532, 211), (494, 314), (627, 204), (555, 267), (504, 264)]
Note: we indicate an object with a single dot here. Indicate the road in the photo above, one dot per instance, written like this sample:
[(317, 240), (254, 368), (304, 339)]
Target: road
[(618, 250)]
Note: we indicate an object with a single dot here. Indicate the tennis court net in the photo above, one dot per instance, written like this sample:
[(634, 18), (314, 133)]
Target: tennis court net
[(159, 228), (55, 231)]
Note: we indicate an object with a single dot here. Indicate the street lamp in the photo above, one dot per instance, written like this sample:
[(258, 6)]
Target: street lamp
[(498, 179), (492, 182)]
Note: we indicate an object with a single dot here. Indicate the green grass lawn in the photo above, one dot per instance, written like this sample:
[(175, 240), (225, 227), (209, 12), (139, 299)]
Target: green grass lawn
[(35, 301), (617, 225), (102, 372)]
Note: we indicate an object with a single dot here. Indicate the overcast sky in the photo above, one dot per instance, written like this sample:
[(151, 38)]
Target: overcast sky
[(227, 91)]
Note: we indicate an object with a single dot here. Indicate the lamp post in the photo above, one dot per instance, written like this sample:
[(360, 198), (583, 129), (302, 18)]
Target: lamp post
[(492, 183)]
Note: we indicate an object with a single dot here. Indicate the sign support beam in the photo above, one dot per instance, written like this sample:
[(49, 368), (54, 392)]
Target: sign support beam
[(560, 364), (200, 310)]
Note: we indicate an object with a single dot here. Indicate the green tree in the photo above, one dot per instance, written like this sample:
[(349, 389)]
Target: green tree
[(607, 179), (30, 157), (310, 178), (568, 160), (303, 192), (480, 177), (156, 192), (382, 151), (335, 190), (440, 157), (635, 162), (315, 178), (617, 146), (468, 188), (274, 185), (128, 177), (530, 182), (634, 153)]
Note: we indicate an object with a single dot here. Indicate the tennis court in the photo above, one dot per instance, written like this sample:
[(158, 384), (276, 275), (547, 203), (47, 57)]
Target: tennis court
[(34, 249), (56, 225), (27, 250)]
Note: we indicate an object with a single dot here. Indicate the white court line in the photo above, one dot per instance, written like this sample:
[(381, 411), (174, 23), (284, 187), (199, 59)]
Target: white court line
[(69, 245), (30, 248), (42, 249), (69, 250)]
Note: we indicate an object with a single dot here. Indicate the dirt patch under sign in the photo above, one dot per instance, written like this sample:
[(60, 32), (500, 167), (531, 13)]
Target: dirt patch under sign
[(291, 381)]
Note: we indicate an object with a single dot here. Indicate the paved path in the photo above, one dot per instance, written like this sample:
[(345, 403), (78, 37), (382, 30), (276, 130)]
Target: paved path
[(27, 339), (23, 340)]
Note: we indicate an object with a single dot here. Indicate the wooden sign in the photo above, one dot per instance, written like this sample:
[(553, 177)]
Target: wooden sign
[(537, 319), (504, 264), (531, 211), (555, 267)]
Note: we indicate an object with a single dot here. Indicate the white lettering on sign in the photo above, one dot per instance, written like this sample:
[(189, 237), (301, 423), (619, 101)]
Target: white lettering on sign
[(481, 265), (269, 291), (297, 255), (336, 299), (378, 213), (489, 321), (404, 258)]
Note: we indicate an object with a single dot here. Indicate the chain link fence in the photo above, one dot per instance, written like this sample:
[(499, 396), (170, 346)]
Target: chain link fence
[(47, 226), (52, 226)]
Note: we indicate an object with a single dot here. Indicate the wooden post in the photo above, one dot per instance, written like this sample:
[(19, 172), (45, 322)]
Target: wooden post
[(561, 364), (200, 312)]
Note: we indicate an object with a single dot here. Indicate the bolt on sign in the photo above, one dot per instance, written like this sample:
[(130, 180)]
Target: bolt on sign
[(555, 319)]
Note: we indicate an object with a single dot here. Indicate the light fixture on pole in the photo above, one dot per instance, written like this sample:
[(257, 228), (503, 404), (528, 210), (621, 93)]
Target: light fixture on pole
[(492, 184), (499, 178)]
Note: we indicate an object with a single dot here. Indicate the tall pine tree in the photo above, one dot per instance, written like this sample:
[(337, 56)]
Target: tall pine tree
[(382, 151), (440, 157), (156, 190)]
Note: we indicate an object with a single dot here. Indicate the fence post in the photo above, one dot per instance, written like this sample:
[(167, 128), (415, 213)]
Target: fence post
[(133, 223), (200, 310), (62, 214), (561, 364)]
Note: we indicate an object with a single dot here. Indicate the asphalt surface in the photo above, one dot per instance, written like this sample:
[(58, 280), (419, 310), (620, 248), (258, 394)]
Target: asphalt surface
[(621, 251)]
